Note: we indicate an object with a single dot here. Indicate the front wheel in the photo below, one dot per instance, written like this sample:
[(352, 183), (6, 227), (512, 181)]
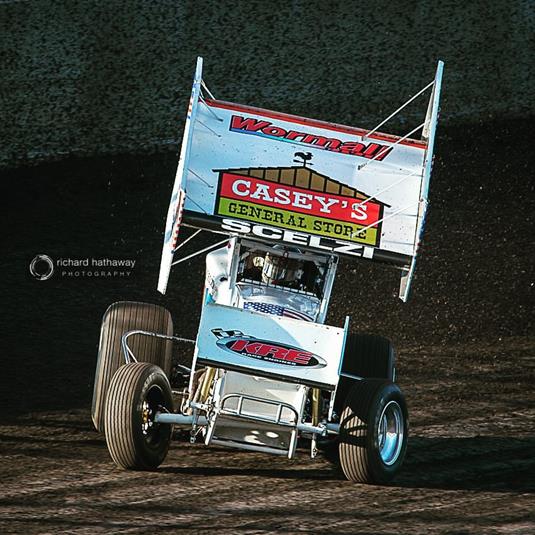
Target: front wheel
[(373, 431), (137, 392)]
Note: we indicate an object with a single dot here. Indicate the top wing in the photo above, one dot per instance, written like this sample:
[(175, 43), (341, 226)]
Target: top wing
[(309, 183)]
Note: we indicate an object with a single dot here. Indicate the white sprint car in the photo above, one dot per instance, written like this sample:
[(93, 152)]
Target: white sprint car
[(290, 196)]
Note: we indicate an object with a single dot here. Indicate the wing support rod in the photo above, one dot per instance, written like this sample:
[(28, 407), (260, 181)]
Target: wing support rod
[(380, 152), (206, 249), (368, 134)]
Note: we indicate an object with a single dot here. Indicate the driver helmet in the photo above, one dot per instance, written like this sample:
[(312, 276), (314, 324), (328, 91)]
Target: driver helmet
[(280, 269)]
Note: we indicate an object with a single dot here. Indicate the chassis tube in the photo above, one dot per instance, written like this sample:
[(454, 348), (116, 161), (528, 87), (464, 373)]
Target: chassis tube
[(178, 419), (184, 419)]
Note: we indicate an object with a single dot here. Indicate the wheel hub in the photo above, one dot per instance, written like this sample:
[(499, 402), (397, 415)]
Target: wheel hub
[(390, 433), (146, 417), (150, 406)]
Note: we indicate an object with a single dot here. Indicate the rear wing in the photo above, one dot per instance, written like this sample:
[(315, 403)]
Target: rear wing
[(308, 183)]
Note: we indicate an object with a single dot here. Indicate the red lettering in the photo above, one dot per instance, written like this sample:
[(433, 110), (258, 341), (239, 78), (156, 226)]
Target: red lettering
[(238, 345), (353, 147), (275, 351), (274, 131), (376, 151), (294, 356), (328, 143), (253, 348), (249, 124), (292, 135), (340, 207), (299, 357)]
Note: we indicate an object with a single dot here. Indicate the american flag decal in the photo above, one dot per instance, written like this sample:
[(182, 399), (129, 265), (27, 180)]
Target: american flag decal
[(276, 310)]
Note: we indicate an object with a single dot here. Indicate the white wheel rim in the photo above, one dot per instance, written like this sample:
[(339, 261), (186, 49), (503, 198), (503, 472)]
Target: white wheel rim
[(390, 433)]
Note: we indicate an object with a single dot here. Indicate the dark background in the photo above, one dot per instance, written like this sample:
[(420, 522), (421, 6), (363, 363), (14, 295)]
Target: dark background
[(93, 101)]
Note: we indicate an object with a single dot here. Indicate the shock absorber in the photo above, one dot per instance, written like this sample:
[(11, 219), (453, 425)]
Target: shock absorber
[(315, 397)]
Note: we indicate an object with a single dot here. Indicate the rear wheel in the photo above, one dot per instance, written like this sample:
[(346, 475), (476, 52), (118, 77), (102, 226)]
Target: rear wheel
[(122, 317), (136, 393), (373, 432)]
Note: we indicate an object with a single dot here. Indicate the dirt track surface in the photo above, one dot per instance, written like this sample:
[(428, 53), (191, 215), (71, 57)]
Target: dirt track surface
[(465, 340), (470, 467)]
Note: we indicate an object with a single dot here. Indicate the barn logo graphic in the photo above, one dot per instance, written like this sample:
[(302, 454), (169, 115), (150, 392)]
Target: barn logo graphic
[(300, 199), (266, 350)]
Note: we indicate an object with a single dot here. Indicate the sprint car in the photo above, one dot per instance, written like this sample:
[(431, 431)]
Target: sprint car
[(288, 196)]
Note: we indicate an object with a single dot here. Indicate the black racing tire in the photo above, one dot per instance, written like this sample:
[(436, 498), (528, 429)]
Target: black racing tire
[(368, 356), (137, 391), (122, 317), (367, 453)]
